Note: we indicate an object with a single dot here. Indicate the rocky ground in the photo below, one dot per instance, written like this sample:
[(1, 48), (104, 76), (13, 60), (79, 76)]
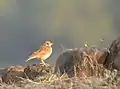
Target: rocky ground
[(51, 81)]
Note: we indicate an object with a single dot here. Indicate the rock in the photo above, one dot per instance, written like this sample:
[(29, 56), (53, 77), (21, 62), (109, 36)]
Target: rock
[(34, 70), (113, 59), (12, 74), (80, 60)]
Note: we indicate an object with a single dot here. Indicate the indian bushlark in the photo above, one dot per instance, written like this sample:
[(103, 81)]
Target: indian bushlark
[(43, 53)]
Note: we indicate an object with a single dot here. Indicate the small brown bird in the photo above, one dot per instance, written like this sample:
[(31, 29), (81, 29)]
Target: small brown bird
[(43, 53)]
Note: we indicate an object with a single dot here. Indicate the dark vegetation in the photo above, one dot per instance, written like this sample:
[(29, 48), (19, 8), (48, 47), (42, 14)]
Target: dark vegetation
[(80, 68)]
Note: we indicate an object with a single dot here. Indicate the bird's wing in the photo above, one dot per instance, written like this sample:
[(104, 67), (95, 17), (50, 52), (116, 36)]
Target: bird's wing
[(44, 50), (41, 51)]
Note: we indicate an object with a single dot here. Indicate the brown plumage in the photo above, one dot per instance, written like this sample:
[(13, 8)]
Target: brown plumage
[(43, 53)]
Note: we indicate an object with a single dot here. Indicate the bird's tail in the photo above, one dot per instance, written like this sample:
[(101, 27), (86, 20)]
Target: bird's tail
[(29, 59)]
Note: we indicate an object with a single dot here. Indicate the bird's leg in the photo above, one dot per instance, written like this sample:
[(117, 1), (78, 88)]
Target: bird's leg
[(43, 62)]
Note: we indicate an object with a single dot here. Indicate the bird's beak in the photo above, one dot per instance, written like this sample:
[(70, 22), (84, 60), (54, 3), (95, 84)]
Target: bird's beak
[(52, 43)]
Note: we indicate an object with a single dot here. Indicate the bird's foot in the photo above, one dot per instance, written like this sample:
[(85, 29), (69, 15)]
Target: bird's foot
[(45, 64)]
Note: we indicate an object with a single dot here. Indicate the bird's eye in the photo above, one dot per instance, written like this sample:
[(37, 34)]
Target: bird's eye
[(47, 43)]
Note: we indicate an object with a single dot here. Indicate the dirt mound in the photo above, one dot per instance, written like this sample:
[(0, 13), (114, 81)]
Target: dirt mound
[(80, 60), (113, 59), (35, 70), (14, 74)]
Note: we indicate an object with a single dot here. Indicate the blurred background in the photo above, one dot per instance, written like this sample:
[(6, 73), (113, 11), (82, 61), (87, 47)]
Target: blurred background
[(25, 24)]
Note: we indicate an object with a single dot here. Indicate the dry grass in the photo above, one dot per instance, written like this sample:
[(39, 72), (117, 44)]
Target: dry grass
[(63, 82), (52, 81)]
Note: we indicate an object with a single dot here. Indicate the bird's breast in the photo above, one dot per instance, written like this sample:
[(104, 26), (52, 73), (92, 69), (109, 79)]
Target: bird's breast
[(46, 55)]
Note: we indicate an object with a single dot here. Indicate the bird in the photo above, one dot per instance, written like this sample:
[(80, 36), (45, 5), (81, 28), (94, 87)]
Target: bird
[(43, 52)]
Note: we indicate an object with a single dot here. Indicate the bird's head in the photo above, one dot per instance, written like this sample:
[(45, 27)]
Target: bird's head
[(48, 43)]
